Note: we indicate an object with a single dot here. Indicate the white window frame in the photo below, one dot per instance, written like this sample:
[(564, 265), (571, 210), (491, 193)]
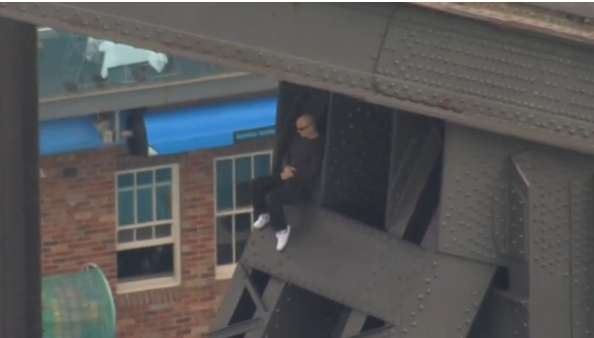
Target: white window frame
[(161, 282), (226, 271)]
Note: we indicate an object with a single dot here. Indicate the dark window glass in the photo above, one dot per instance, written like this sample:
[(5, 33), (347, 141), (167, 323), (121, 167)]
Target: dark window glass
[(150, 262), (163, 197), (163, 175), (125, 207), (224, 184), (144, 177), (261, 165), (224, 234), (243, 224), (125, 180), (163, 230), (243, 177), (144, 205)]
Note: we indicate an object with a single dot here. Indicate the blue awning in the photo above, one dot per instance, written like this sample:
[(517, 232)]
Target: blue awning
[(203, 127), (68, 135)]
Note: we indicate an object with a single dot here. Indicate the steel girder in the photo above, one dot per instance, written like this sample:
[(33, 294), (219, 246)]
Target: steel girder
[(376, 284), (367, 270), (460, 70), (20, 252), (526, 207)]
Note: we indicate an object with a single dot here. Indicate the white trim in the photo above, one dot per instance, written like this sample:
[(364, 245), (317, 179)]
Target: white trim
[(252, 154), (144, 225), (226, 271), (147, 285), (175, 221), (145, 243), (223, 272), (231, 212), (152, 152), (156, 167)]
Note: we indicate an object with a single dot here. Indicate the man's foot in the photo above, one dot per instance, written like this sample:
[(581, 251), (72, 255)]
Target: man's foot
[(261, 221), (283, 238)]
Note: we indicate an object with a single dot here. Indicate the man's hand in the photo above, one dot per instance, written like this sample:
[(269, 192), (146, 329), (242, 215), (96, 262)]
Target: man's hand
[(287, 172)]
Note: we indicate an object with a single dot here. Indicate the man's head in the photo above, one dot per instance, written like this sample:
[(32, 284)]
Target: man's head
[(306, 127)]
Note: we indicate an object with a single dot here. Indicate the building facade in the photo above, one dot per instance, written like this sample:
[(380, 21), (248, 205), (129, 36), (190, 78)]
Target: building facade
[(165, 229)]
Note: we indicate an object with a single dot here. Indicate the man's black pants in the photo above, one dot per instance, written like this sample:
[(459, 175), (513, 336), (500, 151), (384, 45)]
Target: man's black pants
[(270, 193)]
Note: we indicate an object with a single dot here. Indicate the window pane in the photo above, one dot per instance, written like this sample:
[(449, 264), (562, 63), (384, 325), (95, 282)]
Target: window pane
[(143, 263), (125, 236), (163, 175), (125, 207), (243, 225), (163, 230), (144, 233), (144, 177), (144, 205), (224, 228), (224, 188), (125, 180), (243, 176), (261, 165), (163, 202)]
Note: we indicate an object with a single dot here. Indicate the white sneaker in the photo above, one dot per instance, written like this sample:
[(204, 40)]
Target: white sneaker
[(261, 221), (283, 238)]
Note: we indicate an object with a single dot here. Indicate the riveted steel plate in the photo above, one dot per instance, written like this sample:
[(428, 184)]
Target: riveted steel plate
[(356, 165), (549, 173), (474, 69), (502, 315), (416, 146), (446, 304), (581, 229), (517, 205), (369, 271), (472, 221), (299, 313), (285, 41)]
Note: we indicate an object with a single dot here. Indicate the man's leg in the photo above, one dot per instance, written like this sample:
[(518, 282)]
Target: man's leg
[(260, 187), (290, 192)]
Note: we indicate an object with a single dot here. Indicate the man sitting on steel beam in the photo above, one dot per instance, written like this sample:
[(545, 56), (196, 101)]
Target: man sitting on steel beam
[(301, 168)]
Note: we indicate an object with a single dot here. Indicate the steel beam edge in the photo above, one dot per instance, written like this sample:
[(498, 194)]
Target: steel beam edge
[(358, 83), (149, 95)]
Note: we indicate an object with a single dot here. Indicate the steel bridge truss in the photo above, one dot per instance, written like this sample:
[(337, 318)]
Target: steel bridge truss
[(457, 188)]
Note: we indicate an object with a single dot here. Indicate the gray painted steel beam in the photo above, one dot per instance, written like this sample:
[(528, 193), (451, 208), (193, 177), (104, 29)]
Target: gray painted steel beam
[(214, 87), (502, 316), (379, 275), (554, 221), (300, 313), (349, 324), (581, 241), (237, 329), (461, 70), (20, 269), (271, 297), (416, 147), (229, 302), (473, 207)]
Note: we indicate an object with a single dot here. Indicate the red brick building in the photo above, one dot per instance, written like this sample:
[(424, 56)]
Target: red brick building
[(80, 224), (165, 229)]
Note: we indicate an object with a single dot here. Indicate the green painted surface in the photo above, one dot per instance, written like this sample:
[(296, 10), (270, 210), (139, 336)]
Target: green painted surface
[(78, 305)]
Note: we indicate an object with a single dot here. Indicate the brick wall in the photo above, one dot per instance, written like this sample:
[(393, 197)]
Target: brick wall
[(78, 226)]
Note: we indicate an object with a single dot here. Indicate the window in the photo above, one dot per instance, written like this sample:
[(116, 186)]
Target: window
[(233, 206), (148, 250)]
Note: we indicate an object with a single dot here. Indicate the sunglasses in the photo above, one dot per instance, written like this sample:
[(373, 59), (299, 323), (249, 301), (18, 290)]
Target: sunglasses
[(303, 128)]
